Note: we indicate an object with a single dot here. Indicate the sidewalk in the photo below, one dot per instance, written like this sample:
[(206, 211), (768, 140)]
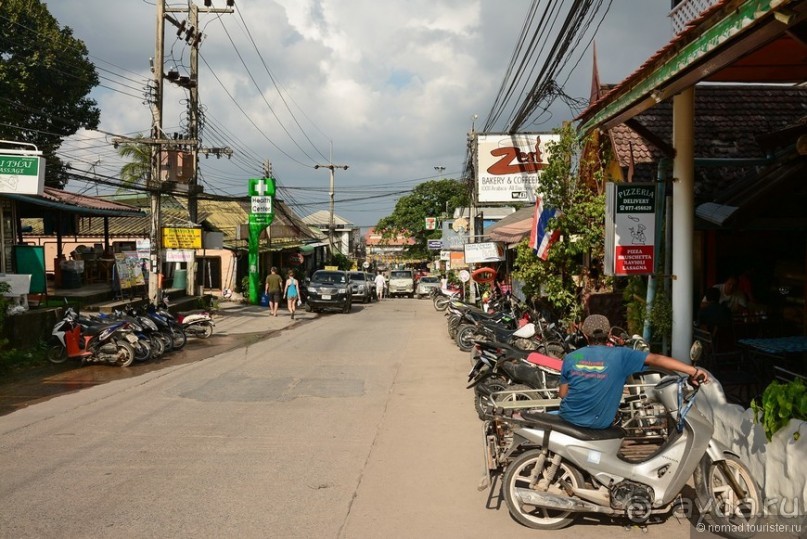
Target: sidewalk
[(235, 318)]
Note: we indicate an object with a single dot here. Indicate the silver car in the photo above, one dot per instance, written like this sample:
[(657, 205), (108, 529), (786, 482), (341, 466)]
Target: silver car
[(360, 289), (426, 284)]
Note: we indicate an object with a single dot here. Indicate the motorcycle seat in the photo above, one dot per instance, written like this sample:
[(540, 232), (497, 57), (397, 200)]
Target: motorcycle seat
[(558, 424)]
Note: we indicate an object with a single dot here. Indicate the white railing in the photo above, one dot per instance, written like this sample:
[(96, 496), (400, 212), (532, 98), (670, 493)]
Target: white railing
[(687, 11)]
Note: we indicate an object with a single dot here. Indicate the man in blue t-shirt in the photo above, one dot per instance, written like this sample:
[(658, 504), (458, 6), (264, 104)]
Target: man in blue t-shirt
[(593, 377)]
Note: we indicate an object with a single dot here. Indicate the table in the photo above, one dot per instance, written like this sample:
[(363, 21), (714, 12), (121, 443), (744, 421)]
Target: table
[(785, 352)]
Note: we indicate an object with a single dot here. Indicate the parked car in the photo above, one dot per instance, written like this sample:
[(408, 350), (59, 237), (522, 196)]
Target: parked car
[(360, 289), (401, 283), (329, 289), (426, 284)]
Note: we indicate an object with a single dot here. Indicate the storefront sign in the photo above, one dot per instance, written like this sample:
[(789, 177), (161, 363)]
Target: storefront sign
[(630, 229), (476, 253), (509, 167), (23, 175), (182, 238)]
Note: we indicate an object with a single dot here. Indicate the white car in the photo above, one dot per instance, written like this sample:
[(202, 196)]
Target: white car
[(401, 283)]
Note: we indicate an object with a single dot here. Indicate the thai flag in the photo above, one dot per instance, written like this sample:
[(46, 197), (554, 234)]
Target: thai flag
[(541, 238)]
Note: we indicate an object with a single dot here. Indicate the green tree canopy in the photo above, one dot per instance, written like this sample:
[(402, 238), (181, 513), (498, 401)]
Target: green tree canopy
[(429, 199), (581, 224), (45, 77)]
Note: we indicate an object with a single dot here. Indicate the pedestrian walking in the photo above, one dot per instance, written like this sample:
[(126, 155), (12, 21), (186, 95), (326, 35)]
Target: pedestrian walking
[(274, 284), (379, 286), (292, 293)]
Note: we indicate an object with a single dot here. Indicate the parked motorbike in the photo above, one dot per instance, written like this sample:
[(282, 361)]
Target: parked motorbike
[(197, 323), (562, 470), (499, 367), (168, 325), (143, 346), (160, 342), (94, 343)]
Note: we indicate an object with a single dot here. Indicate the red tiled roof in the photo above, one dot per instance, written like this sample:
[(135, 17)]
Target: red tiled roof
[(372, 238)]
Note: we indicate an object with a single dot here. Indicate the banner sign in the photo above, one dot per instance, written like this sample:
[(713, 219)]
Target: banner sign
[(630, 228), (178, 255), (182, 238), (509, 166)]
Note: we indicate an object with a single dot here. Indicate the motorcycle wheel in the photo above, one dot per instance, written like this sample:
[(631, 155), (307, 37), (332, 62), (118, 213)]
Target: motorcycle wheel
[(125, 353), (730, 510), (168, 340), (205, 331), (518, 476), (143, 350), (484, 404), (56, 354), (440, 303), (466, 334), (157, 346), (178, 338)]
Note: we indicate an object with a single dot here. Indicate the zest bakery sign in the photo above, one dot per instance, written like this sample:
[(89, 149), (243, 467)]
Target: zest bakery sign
[(509, 166)]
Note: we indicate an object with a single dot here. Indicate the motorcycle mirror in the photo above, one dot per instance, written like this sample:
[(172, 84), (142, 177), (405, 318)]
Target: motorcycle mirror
[(695, 351)]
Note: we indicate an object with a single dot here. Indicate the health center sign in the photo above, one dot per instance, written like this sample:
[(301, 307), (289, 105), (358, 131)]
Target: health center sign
[(509, 167), (630, 228)]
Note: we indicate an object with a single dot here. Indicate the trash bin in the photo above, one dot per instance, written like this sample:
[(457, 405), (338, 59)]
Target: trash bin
[(180, 279)]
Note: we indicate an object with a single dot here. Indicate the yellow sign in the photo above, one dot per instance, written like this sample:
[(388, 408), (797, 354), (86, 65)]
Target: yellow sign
[(332, 268), (182, 238)]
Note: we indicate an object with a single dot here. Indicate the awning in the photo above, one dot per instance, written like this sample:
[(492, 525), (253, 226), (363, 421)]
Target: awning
[(513, 228), (74, 203)]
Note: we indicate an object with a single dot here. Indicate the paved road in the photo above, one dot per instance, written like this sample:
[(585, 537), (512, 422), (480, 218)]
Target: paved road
[(338, 426)]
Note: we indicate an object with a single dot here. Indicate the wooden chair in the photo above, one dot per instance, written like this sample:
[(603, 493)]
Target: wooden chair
[(740, 381)]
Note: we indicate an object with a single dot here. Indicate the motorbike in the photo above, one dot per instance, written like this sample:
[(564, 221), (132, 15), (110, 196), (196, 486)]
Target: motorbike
[(160, 343), (562, 470), (197, 323), (94, 343), (168, 326), (143, 347), (524, 375)]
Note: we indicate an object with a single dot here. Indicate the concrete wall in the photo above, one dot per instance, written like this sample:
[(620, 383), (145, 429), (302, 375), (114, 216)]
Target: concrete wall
[(779, 466)]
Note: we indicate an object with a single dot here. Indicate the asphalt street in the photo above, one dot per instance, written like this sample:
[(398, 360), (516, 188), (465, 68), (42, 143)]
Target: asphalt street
[(335, 425)]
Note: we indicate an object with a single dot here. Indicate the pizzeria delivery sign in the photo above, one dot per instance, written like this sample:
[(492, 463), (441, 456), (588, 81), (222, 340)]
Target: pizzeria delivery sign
[(630, 229)]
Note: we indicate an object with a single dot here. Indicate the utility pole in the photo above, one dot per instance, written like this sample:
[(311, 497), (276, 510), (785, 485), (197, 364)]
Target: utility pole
[(331, 167), (156, 159)]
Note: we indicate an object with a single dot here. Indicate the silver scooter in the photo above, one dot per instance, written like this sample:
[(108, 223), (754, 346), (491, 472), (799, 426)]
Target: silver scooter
[(563, 470)]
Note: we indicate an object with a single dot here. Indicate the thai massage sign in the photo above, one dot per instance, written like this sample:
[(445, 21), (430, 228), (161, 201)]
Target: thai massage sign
[(630, 228), (509, 166), (21, 174)]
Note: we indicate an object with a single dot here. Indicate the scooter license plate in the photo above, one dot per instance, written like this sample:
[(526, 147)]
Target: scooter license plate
[(131, 338), (326, 296)]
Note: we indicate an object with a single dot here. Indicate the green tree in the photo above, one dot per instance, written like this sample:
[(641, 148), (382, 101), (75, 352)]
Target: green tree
[(429, 199), (137, 170), (45, 77), (581, 226)]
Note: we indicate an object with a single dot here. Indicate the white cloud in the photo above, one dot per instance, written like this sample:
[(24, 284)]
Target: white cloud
[(393, 84)]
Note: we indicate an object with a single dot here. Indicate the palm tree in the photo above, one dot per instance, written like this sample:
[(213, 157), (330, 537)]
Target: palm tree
[(138, 170)]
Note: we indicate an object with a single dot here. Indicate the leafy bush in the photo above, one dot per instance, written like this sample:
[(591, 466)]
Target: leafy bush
[(780, 404)]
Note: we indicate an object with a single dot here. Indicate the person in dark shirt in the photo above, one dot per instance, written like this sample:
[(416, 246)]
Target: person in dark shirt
[(712, 313)]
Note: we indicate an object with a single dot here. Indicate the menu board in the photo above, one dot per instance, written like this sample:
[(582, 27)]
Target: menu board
[(128, 271)]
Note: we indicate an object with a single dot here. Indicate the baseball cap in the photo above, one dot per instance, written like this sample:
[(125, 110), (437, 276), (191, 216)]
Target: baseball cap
[(596, 323)]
